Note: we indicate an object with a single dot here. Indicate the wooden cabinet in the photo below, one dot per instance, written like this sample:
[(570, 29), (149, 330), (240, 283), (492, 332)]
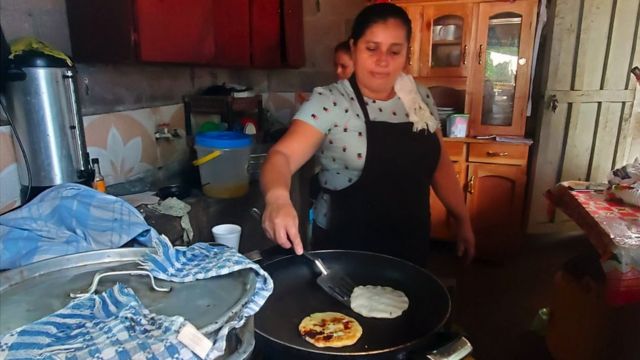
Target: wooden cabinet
[(168, 31), (495, 197), (102, 30), (475, 56), (446, 40), (493, 177), (480, 49), (229, 33), (231, 28), (500, 82)]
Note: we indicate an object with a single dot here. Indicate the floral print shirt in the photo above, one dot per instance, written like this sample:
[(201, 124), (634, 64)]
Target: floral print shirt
[(334, 111)]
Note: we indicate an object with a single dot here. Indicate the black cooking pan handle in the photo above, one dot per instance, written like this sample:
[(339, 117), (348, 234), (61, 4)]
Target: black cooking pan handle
[(268, 254)]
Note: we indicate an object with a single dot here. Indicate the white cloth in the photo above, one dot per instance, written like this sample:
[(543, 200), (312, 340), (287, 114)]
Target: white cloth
[(419, 113), (175, 207)]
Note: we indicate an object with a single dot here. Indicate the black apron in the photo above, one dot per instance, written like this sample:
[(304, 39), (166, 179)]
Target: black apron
[(387, 209)]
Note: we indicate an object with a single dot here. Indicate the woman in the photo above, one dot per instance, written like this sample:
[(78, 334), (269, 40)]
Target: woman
[(342, 60), (379, 152)]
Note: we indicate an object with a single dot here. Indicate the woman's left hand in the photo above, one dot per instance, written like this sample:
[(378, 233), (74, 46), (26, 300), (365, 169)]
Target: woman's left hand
[(466, 241)]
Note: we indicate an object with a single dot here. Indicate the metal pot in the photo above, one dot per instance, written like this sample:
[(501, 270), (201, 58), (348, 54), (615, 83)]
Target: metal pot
[(416, 331)]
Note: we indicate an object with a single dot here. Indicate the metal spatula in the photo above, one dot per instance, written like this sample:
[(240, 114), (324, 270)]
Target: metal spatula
[(334, 283)]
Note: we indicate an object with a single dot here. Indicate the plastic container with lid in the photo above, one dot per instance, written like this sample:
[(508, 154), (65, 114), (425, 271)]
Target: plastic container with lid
[(224, 175)]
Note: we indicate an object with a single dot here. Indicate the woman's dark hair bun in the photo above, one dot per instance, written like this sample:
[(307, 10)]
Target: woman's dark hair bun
[(376, 13)]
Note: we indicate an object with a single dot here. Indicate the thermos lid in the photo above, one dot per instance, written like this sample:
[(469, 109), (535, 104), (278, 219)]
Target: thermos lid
[(32, 58), (223, 140)]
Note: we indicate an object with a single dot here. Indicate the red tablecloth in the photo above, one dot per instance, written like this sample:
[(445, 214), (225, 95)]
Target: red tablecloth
[(614, 229)]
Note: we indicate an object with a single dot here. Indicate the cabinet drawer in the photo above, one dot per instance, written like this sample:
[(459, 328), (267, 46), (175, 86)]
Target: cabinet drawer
[(455, 150), (514, 154)]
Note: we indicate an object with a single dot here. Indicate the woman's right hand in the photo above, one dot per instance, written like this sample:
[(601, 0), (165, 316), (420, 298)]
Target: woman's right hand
[(280, 220), (280, 223)]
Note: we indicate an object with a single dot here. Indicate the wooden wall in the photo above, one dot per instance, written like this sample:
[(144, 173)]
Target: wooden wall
[(590, 47)]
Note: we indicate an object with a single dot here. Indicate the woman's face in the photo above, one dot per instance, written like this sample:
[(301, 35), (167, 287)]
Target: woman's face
[(343, 64), (379, 57)]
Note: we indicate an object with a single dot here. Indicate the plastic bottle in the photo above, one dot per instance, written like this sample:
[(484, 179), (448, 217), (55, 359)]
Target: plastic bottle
[(98, 180)]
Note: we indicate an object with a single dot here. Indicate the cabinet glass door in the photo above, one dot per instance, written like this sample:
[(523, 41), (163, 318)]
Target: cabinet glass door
[(446, 41), (500, 69), (501, 61)]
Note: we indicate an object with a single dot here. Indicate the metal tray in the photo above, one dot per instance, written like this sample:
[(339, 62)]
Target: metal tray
[(32, 292)]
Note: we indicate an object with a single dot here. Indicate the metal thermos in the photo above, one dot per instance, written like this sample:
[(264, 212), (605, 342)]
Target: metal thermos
[(42, 102)]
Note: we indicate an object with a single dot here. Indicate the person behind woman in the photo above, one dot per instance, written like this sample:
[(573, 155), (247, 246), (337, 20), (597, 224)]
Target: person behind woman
[(342, 60), (379, 150)]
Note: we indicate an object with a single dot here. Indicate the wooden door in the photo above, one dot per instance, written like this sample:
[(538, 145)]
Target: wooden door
[(495, 196), (502, 61), (584, 120), (102, 30), (440, 222), (232, 35), (293, 33), (446, 40), (266, 36), (175, 31)]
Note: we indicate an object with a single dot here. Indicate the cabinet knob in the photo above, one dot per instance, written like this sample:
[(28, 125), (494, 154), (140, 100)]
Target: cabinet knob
[(480, 54)]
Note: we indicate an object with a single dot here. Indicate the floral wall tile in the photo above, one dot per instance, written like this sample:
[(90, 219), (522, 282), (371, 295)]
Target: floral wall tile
[(9, 181), (124, 142)]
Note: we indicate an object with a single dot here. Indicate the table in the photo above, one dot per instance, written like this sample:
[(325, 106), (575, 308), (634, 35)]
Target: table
[(614, 229)]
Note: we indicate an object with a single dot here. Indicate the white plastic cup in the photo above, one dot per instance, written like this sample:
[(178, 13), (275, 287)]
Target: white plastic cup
[(227, 234)]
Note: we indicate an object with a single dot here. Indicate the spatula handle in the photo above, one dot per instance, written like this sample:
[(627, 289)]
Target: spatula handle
[(318, 263)]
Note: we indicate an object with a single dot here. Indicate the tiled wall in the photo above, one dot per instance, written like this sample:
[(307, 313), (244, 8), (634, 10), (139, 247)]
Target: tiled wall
[(9, 184), (123, 141), (126, 145)]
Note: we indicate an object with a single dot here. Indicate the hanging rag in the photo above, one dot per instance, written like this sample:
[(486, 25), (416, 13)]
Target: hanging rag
[(419, 114), (175, 207), (68, 219), (116, 325), (202, 261), (30, 43), (112, 325)]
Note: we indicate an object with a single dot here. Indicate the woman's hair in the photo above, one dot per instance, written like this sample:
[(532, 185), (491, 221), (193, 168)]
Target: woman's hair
[(342, 46), (376, 13)]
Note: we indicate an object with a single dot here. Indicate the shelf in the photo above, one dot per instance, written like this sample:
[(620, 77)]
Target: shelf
[(446, 42)]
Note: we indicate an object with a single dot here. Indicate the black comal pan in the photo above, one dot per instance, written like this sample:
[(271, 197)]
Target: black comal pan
[(296, 295)]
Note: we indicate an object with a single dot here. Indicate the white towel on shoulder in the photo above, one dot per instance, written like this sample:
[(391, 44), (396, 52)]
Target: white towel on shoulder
[(419, 113)]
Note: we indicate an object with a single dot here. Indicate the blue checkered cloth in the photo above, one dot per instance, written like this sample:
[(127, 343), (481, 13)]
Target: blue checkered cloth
[(202, 261), (68, 219), (112, 325), (115, 324)]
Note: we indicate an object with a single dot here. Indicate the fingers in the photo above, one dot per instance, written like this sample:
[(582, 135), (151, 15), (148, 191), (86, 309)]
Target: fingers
[(466, 247), (280, 224), (289, 236), (281, 238), (294, 238), (471, 252)]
